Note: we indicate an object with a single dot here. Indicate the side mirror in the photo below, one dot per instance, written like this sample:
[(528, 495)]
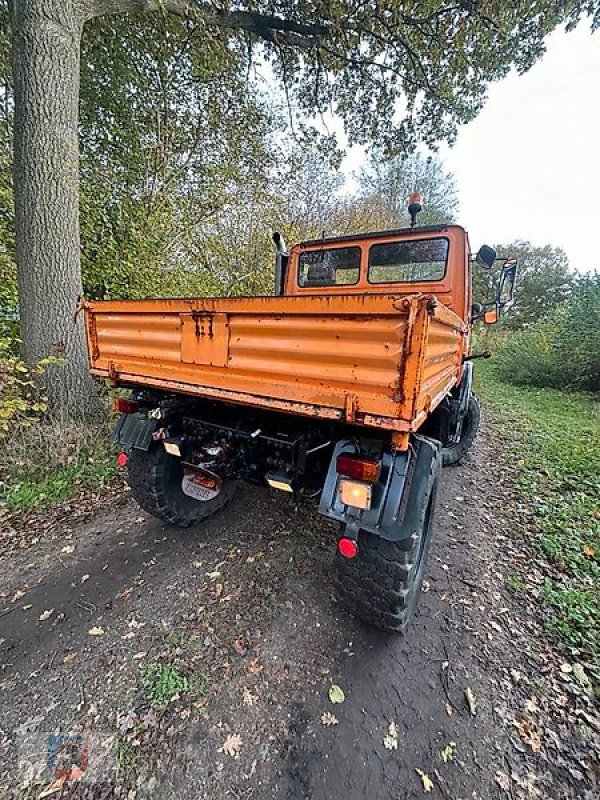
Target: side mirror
[(506, 283), (486, 256), (491, 316)]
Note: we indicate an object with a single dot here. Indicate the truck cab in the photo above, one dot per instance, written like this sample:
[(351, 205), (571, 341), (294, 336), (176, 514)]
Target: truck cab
[(432, 259)]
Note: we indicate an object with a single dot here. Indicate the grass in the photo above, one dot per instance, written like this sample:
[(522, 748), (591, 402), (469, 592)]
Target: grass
[(48, 463), (553, 442), (128, 759), (163, 682)]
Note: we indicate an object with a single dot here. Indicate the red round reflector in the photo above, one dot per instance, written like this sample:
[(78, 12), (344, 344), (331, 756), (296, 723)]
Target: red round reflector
[(348, 547), (122, 459)]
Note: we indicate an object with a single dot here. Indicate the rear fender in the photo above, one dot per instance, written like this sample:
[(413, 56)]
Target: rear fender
[(397, 497)]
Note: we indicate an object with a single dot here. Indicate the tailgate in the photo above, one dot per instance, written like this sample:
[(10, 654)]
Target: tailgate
[(328, 356)]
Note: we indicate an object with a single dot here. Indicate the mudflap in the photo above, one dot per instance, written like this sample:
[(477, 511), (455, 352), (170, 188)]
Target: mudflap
[(135, 431), (398, 496)]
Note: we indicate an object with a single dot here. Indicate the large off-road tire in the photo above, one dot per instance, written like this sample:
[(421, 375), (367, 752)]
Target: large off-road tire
[(381, 585), (155, 480), (453, 454)]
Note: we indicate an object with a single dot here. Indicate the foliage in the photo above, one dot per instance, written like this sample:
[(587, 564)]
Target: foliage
[(163, 683), (172, 137), (544, 280), (553, 439), (52, 461), (22, 401), (398, 72), (387, 183), (561, 349)]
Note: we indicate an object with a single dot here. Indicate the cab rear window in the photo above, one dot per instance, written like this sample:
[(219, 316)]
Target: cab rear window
[(335, 266), (413, 261)]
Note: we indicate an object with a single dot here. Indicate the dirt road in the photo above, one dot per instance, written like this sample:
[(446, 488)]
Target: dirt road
[(243, 608)]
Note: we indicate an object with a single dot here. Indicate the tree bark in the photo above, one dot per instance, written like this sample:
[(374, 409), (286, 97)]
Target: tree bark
[(46, 52)]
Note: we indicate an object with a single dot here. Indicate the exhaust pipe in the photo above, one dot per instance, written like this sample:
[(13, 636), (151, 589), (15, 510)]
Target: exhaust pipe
[(281, 262)]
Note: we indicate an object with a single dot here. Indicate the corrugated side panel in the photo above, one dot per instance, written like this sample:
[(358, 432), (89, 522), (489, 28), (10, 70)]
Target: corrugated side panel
[(337, 354), (441, 362)]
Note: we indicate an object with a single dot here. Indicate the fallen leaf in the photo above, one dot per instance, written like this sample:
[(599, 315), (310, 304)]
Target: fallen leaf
[(27, 607), (580, 674), (449, 709), (471, 701), (248, 699), (18, 595), (231, 746), (327, 718), (240, 647), (336, 693), (588, 550), (529, 734), (52, 788), (427, 782), (84, 578), (68, 548), (447, 752), (390, 742), (531, 705), (502, 780), (138, 656), (68, 657), (255, 667), (96, 630), (46, 614)]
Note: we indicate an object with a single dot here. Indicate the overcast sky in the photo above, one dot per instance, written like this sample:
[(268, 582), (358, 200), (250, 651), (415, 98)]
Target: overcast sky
[(529, 166)]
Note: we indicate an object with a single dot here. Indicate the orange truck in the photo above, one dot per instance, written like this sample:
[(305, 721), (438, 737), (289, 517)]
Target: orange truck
[(352, 384)]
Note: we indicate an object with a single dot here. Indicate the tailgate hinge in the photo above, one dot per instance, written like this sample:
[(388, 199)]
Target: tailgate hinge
[(350, 407)]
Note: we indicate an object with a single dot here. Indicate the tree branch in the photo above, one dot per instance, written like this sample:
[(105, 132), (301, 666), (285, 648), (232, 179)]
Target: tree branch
[(267, 27)]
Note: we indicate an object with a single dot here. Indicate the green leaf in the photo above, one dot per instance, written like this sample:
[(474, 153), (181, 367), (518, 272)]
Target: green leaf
[(336, 693)]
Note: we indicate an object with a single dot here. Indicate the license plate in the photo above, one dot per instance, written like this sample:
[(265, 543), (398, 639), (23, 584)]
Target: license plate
[(201, 486)]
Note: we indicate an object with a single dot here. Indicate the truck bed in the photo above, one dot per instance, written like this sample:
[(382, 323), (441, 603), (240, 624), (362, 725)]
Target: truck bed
[(376, 360)]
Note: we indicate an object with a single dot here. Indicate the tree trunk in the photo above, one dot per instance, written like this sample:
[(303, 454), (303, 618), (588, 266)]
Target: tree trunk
[(46, 52)]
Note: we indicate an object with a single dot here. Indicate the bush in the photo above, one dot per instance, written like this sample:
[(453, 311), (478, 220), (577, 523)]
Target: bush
[(562, 349), (43, 460), (21, 400)]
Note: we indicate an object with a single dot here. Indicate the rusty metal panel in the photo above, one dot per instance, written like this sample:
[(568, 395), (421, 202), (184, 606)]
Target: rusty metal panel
[(442, 360), (205, 339), (367, 359)]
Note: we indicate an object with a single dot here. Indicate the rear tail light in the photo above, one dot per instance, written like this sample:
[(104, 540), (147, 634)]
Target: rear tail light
[(355, 493), (359, 469), (125, 406), (348, 547)]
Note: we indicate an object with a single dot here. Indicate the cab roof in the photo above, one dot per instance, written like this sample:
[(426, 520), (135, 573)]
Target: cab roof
[(381, 234)]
